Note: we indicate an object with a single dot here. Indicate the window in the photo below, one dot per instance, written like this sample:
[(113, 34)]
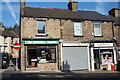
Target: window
[(46, 54), (78, 28), (5, 39), (97, 29), (41, 54), (12, 38), (41, 27)]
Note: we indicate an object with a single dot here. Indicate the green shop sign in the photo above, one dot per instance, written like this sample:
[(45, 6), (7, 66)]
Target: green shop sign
[(41, 42)]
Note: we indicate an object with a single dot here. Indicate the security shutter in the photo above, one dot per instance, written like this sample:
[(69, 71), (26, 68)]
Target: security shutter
[(75, 58)]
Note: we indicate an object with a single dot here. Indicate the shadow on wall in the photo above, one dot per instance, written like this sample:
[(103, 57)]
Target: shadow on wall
[(66, 66)]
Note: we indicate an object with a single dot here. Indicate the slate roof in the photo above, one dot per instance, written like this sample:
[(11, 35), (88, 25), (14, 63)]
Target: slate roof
[(37, 12), (95, 16), (8, 33)]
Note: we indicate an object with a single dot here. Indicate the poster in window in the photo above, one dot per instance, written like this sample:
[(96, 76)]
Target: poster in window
[(106, 58), (52, 53), (43, 53)]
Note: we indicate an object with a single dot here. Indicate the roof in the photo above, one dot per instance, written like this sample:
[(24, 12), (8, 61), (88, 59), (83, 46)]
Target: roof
[(95, 16), (8, 33), (37, 12), (117, 21)]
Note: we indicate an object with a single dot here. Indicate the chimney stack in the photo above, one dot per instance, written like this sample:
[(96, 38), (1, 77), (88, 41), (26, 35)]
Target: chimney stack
[(114, 12), (22, 3), (73, 5), (22, 6)]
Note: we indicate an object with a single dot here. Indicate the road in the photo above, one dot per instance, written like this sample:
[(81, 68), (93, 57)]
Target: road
[(17, 75)]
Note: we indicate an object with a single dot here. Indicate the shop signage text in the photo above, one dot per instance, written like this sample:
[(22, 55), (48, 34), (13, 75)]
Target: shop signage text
[(41, 42), (103, 44)]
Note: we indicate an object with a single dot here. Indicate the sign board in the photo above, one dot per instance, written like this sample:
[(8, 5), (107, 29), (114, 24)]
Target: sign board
[(16, 46), (41, 42), (103, 44)]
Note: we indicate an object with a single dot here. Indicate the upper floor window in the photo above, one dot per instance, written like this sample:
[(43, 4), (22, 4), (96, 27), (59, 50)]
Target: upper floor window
[(41, 27), (97, 29), (5, 39), (12, 38), (77, 28)]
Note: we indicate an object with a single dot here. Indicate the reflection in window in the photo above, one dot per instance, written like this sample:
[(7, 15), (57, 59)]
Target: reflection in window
[(97, 29), (5, 39), (41, 27), (46, 56), (78, 28)]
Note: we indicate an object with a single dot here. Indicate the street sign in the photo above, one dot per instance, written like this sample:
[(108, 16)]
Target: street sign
[(16, 46)]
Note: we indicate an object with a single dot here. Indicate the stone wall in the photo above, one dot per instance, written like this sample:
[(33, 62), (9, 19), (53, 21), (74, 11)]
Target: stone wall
[(59, 29), (117, 33), (88, 31), (29, 28)]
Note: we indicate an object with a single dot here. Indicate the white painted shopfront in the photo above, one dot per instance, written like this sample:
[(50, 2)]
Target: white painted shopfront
[(103, 56)]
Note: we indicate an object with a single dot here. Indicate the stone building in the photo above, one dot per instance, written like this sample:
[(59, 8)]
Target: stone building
[(115, 14), (7, 39), (66, 39)]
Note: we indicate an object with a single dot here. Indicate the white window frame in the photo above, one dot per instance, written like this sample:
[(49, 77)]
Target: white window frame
[(80, 29), (100, 30), (5, 39), (45, 28)]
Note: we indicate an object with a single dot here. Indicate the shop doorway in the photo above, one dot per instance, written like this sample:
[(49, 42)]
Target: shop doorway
[(103, 58), (96, 59), (32, 58)]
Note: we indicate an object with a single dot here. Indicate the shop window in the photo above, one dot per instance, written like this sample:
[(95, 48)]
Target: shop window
[(41, 55), (106, 57), (46, 56), (41, 27)]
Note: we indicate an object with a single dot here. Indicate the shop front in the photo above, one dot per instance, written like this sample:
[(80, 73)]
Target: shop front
[(118, 55), (75, 56), (42, 55), (103, 56)]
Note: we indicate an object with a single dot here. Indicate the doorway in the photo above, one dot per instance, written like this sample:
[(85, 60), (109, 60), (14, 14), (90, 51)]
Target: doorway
[(96, 58), (32, 58)]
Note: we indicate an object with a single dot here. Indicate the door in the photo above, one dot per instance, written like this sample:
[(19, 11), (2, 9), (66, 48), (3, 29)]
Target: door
[(75, 58), (96, 59), (32, 58)]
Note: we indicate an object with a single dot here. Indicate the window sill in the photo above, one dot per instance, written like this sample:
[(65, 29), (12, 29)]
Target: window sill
[(98, 36), (78, 35), (42, 35)]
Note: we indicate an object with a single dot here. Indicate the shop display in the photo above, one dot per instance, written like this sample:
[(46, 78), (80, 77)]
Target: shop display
[(106, 58)]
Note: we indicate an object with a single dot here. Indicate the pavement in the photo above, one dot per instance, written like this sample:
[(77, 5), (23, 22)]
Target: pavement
[(12, 74), (13, 68), (15, 74)]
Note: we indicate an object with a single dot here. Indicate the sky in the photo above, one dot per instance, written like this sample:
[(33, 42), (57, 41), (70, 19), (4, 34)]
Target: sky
[(11, 10)]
